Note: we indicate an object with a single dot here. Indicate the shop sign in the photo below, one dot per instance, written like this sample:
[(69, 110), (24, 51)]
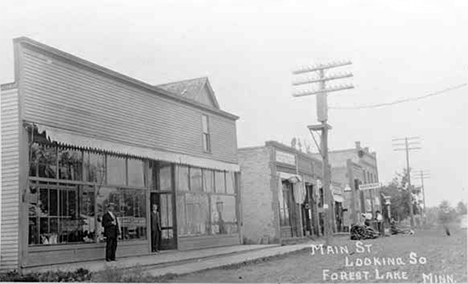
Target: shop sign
[(368, 186), (285, 158)]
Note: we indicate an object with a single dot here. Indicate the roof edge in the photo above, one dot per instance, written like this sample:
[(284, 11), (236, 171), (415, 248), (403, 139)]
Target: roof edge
[(120, 76), (8, 86)]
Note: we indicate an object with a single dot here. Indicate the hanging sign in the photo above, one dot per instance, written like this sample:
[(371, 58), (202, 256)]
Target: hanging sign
[(370, 186)]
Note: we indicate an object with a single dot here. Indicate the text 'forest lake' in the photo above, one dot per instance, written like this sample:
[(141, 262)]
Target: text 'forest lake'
[(367, 267)]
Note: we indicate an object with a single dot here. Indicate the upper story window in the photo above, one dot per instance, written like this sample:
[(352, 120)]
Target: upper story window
[(206, 134)]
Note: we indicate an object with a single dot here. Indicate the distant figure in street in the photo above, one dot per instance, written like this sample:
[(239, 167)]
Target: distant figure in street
[(111, 232), (445, 219), (378, 218), (155, 229), (368, 218)]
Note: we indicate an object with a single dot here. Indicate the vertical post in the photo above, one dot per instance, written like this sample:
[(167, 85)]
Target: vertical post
[(424, 198), (322, 117), (349, 165), (408, 172), (326, 184)]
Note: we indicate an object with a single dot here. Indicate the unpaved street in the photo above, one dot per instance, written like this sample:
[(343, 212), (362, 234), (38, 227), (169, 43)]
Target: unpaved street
[(397, 259)]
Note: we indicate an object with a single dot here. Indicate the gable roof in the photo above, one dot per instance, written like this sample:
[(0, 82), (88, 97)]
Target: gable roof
[(198, 89)]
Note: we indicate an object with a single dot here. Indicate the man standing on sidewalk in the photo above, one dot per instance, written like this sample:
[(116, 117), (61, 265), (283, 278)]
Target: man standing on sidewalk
[(155, 229), (111, 232), (379, 219)]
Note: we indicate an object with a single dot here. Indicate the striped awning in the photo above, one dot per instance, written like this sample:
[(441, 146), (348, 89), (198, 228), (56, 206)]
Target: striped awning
[(68, 138)]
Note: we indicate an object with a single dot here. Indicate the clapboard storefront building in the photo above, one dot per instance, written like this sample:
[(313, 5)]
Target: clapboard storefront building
[(281, 198), (77, 136)]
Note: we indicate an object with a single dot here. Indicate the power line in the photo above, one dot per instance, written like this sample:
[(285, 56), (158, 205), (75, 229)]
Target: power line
[(403, 100)]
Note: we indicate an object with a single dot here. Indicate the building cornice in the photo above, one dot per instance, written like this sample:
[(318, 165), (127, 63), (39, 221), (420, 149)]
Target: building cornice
[(118, 76)]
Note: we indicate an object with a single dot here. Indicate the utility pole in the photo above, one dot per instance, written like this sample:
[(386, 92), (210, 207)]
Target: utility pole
[(409, 143), (323, 127), (423, 174)]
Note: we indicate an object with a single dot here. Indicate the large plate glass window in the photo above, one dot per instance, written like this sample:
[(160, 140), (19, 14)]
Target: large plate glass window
[(61, 213)]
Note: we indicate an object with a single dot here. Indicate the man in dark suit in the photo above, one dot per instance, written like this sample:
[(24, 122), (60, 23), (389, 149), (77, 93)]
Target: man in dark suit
[(155, 229), (111, 232)]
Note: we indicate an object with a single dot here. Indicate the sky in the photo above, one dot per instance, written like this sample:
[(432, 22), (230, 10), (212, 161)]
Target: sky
[(247, 49)]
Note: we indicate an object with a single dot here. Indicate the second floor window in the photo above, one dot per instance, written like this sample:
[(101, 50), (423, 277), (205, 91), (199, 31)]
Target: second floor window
[(206, 134)]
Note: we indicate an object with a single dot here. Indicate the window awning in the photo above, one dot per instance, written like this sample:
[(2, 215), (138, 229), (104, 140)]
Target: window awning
[(290, 177), (299, 191), (68, 138), (338, 198)]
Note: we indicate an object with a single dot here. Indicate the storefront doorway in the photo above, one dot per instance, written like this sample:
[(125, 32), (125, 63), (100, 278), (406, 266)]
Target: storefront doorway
[(166, 209), (162, 194), (307, 217)]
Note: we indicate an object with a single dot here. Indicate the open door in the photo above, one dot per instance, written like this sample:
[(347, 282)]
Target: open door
[(163, 195), (166, 209)]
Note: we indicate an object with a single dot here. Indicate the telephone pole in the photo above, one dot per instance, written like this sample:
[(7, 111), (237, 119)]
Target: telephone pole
[(423, 174), (409, 144), (322, 116)]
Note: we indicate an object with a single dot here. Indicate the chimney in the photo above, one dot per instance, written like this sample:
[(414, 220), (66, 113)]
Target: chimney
[(358, 144), (366, 149)]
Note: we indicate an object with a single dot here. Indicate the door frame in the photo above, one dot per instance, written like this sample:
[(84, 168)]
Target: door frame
[(157, 192)]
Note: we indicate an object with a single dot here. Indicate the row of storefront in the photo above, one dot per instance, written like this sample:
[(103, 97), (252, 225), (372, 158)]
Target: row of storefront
[(283, 195), (77, 136)]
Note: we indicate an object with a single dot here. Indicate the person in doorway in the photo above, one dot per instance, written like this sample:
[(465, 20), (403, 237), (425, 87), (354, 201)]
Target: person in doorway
[(379, 219), (111, 232), (155, 229)]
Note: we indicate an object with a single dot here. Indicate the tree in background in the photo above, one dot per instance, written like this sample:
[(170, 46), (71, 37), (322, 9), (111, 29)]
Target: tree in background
[(461, 208), (398, 190), (447, 214)]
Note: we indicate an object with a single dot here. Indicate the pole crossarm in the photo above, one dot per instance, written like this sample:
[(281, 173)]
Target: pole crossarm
[(315, 92), (316, 80), (404, 139), (406, 149), (319, 127), (320, 67)]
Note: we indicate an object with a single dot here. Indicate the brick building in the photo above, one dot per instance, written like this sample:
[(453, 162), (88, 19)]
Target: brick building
[(354, 168), (281, 198)]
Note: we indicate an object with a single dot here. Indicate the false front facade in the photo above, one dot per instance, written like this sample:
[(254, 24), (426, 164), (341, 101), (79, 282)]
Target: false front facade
[(77, 136)]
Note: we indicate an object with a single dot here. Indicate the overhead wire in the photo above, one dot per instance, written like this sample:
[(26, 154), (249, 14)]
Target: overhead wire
[(405, 100)]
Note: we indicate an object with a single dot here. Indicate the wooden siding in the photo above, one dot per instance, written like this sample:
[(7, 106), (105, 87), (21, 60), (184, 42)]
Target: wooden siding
[(10, 181), (66, 95), (60, 254)]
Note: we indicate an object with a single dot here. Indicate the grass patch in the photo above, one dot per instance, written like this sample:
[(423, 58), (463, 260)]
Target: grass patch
[(79, 275)]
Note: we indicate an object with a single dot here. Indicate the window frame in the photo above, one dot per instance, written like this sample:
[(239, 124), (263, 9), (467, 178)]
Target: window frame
[(206, 137)]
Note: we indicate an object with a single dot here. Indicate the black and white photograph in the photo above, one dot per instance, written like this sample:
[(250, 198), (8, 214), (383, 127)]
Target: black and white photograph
[(264, 141)]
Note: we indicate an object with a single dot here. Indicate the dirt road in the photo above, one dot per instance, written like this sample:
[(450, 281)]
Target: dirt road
[(427, 256)]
